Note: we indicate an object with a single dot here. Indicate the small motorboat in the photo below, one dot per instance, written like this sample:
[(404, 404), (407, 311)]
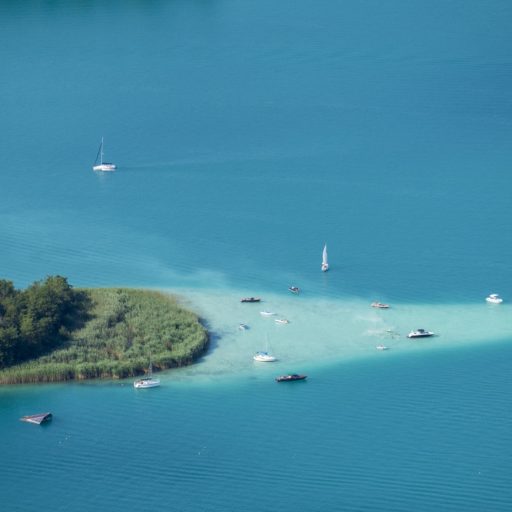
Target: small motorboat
[(267, 313), (264, 357), (281, 321), (380, 305), (291, 377), (382, 347), (250, 299), (494, 298), (420, 333), (243, 327), (294, 289)]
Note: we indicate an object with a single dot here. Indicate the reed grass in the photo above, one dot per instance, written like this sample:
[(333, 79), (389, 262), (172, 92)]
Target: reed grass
[(125, 329)]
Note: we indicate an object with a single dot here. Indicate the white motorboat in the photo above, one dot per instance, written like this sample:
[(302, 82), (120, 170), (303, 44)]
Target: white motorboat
[(267, 313), (494, 298), (147, 382), (264, 357), (382, 347), (243, 327), (102, 166), (325, 263), (420, 333), (281, 321), (380, 305)]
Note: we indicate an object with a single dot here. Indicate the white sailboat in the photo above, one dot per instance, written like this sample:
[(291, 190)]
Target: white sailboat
[(102, 166), (325, 263), (147, 382), (264, 356)]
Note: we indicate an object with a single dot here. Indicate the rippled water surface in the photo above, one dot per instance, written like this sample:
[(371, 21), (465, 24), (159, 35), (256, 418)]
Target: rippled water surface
[(247, 135)]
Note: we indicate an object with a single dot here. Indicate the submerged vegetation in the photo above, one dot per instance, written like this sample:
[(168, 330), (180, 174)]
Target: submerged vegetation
[(112, 333)]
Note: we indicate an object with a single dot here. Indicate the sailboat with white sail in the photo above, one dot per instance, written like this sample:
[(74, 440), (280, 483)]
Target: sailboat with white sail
[(264, 356), (147, 382), (102, 166), (325, 263)]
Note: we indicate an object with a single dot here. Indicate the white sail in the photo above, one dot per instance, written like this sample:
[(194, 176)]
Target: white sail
[(325, 263), (266, 356), (102, 166)]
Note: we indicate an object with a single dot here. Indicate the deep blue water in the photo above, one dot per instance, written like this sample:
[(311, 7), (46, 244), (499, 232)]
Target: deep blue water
[(421, 433), (247, 134)]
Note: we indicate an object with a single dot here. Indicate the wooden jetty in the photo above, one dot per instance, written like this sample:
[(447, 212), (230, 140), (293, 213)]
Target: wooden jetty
[(44, 417)]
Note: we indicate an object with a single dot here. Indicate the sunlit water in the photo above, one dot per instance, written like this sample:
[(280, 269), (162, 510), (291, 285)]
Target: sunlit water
[(247, 135)]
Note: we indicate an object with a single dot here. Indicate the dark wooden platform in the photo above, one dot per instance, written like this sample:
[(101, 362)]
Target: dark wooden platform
[(38, 418)]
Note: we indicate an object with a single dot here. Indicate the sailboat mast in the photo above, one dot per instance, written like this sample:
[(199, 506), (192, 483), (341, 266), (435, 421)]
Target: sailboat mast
[(101, 152)]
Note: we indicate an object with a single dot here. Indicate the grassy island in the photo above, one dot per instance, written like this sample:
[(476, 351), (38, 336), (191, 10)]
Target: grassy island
[(107, 333)]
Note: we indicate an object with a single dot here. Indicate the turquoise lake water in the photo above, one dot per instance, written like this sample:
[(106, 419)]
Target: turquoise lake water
[(247, 135)]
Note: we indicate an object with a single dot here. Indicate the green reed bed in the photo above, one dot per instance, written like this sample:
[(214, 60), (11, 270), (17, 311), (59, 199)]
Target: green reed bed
[(124, 329)]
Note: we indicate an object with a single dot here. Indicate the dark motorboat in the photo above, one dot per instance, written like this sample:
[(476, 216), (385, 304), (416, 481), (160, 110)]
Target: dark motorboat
[(291, 377), (250, 299), (294, 289)]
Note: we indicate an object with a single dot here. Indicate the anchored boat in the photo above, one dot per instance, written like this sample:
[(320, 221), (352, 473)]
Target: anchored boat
[(420, 333), (380, 305), (147, 382), (494, 298), (264, 357), (291, 377)]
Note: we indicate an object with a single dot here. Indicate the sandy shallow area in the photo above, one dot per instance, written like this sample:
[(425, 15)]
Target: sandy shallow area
[(328, 331)]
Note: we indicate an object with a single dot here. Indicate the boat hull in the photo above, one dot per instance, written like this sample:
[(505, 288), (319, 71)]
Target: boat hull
[(291, 378), (269, 359), (105, 167), (422, 335), (380, 305), (143, 384)]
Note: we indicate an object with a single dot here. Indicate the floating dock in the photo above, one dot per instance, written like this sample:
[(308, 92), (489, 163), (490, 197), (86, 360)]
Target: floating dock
[(37, 418)]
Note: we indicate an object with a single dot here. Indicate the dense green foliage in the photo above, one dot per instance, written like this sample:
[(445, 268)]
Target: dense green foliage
[(124, 329), (39, 319)]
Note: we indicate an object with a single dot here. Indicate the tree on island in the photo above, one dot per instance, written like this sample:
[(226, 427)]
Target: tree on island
[(37, 320), (51, 332)]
